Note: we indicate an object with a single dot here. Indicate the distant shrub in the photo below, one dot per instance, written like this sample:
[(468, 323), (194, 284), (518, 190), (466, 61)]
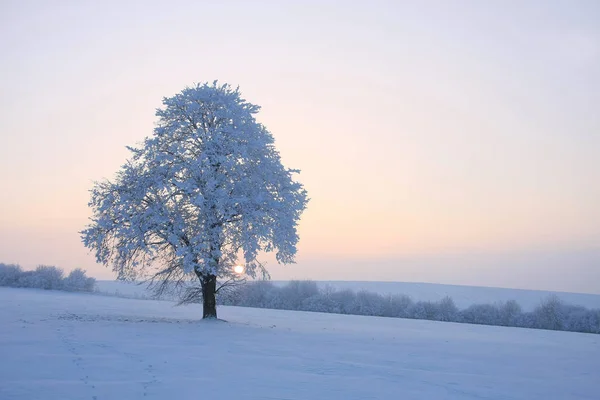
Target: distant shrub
[(28, 279), (318, 303), (485, 314), (447, 310), (368, 303), (417, 310), (577, 319), (45, 277), (397, 306), (526, 320), (295, 293), (259, 294), (549, 314), (9, 274), (323, 301), (424, 310), (344, 301), (77, 281), (509, 313), (593, 321), (48, 278)]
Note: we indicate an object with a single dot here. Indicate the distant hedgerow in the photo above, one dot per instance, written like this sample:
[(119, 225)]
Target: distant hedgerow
[(552, 313), (45, 277)]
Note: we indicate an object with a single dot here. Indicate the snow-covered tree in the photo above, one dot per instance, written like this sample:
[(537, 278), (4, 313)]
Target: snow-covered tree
[(206, 189)]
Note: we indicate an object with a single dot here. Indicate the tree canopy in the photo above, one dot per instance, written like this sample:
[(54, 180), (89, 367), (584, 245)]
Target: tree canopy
[(207, 189)]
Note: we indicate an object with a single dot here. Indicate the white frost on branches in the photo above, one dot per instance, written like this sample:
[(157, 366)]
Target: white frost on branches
[(207, 187)]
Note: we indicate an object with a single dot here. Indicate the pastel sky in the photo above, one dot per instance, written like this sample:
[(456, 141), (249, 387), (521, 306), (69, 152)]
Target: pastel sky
[(440, 141)]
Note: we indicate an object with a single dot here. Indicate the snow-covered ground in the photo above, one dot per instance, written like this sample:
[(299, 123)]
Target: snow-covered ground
[(463, 296), (56, 345)]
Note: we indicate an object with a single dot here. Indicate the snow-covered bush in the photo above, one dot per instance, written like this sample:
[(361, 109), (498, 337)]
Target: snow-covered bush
[(27, 279), (368, 303), (344, 301), (321, 302), (259, 294), (296, 292), (526, 320), (593, 321), (423, 310), (48, 277), (396, 306), (9, 274), (447, 310), (78, 281), (549, 314), (318, 303), (485, 314), (510, 313), (576, 319)]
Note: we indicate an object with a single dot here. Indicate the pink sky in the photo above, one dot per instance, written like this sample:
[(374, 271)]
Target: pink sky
[(438, 143)]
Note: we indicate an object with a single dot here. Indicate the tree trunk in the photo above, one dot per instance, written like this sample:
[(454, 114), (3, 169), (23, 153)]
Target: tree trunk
[(209, 302)]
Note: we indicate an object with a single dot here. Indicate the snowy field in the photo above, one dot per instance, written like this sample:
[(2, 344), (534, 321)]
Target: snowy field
[(463, 296), (56, 345)]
